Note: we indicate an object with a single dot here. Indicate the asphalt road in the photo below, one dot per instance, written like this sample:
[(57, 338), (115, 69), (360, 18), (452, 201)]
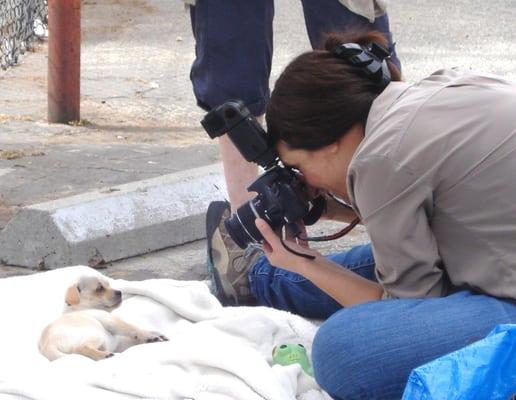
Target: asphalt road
[(137, 102)]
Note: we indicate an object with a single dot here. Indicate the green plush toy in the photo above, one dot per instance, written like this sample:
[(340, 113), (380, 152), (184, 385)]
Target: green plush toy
[(287, 354)]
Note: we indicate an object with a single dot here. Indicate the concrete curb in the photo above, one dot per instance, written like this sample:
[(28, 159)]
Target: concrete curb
[(114, 223)]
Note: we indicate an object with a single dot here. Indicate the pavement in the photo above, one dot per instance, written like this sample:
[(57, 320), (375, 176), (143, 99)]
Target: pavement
[(139, 120)]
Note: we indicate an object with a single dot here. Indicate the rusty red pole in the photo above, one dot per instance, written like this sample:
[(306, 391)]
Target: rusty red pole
[(64, 60)]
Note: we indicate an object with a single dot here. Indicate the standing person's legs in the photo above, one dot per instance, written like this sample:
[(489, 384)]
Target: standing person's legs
[(233, 61), (233, 48), (325, 16), (368, 351), (284, 290)]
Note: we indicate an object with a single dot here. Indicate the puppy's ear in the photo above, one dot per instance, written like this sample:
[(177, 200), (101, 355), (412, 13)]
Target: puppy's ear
[(72, 296)]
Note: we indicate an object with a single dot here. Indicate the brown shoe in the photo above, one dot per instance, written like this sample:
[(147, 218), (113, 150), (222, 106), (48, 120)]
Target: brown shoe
[(228, 264)]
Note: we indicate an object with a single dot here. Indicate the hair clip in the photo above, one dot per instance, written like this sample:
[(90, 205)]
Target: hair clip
[(369, 59)]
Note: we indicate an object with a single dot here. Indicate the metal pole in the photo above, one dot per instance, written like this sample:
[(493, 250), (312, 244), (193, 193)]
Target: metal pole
[(64, 60)]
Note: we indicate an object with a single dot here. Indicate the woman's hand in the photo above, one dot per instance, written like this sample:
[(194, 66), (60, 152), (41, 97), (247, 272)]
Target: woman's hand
[(277, 254)]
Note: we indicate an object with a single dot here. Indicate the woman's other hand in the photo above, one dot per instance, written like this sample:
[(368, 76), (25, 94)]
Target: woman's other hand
[(333, 210), (277, 254), (337, 212)]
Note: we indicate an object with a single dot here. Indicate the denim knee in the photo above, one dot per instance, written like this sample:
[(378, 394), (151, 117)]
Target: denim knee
[(350, 361), (336, 357)]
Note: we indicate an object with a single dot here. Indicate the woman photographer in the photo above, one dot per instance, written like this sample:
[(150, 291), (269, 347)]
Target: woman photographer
[(430, 169)]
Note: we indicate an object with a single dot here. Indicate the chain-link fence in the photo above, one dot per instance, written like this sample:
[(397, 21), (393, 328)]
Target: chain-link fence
[(21, 22)]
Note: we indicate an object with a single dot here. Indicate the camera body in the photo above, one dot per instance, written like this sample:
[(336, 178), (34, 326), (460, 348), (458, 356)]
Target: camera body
[(281, 197)]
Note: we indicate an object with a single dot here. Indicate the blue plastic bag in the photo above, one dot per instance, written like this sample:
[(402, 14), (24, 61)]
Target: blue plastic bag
[(484, 370)]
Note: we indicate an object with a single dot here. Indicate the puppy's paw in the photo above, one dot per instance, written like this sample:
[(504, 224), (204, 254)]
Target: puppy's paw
[(152, 337), (163, 338)]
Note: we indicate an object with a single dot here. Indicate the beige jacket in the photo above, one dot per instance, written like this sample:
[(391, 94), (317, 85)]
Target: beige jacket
[(434, 181), (369, 9)]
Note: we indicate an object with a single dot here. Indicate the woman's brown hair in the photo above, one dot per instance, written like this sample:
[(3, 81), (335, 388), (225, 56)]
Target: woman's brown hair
[(319, 97)]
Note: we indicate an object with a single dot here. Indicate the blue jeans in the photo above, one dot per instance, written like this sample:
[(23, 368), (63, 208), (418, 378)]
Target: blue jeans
[(234, 40), (367, 351)]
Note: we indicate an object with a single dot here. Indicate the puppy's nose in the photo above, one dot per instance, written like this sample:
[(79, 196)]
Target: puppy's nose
[(118, 293)]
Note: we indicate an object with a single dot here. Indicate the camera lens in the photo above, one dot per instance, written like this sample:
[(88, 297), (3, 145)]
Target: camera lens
[(241, 226)]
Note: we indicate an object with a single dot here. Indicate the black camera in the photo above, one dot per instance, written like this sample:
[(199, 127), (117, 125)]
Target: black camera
[(282, 197)]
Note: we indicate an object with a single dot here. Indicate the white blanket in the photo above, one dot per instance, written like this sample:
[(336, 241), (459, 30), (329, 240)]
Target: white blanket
[(214, 352)]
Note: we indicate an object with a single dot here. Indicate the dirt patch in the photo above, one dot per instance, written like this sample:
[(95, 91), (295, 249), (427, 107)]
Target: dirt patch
[(105, 19), (5, 118), (140, 5), (16, 154)]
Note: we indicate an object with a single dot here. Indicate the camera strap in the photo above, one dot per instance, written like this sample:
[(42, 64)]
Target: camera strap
[(337, 235), (334, 236)]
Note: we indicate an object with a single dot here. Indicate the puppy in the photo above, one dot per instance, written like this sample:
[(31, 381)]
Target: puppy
[(86, 326)]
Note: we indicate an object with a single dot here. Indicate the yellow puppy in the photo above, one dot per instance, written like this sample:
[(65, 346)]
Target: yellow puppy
[(87, 327)]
